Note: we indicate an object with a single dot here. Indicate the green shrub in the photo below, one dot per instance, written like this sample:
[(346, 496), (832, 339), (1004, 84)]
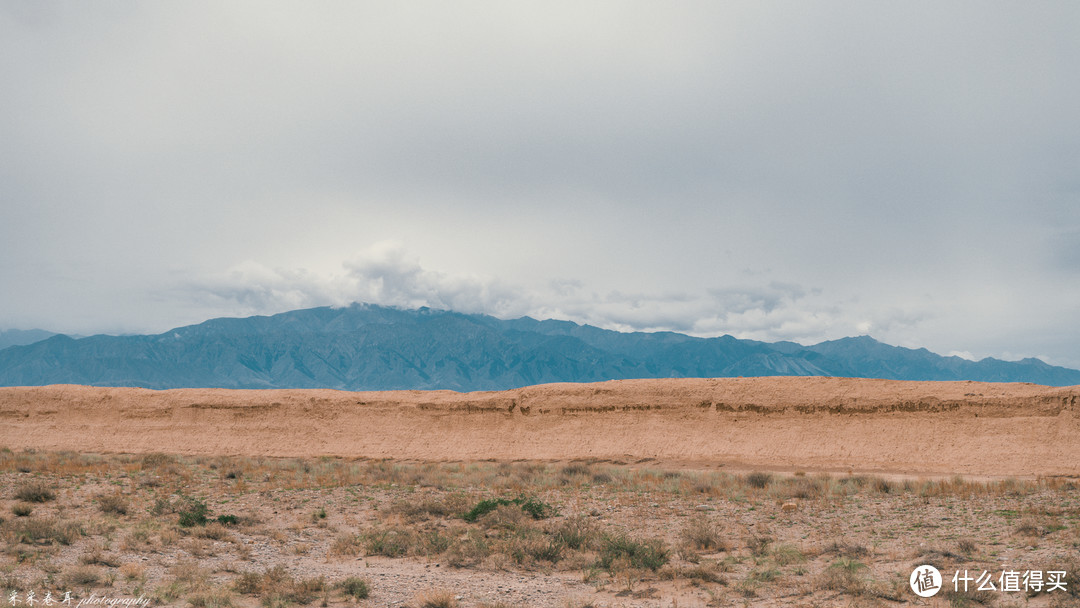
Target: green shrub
[(355, 587), (641, 554), (534, 507), (483, 508), (193, 513), (227, 520)]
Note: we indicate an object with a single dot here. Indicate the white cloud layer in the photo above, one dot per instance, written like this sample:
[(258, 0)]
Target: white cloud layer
[(388, 274)]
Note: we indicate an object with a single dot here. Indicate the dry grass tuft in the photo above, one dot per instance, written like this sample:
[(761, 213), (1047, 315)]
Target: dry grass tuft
[(436, 598), (97, 556), (758, 479), (346, 545), (845, 575), (113, 504), (700, 534), (45, 531), (214, 531), (275, 586), (35, 491), (577, 532), (82, 577), (218, 598), (132, 571)]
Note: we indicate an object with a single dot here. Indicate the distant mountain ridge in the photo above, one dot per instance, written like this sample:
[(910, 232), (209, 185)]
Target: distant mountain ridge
[(369, 347), (20, 337)]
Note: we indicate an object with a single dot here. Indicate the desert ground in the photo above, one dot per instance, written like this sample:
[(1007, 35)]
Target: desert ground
[(660, 493)]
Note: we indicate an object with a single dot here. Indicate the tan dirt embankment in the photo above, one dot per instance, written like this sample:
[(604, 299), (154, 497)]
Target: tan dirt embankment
[(812, 424)]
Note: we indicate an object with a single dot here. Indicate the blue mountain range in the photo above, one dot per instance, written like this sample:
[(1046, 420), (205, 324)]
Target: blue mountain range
[(368, 347)]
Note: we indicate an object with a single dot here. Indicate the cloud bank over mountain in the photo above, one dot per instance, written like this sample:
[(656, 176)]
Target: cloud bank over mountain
[(388, 275)]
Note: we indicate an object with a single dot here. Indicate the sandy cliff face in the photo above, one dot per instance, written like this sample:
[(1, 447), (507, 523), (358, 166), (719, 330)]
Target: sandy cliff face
[(784, 423)]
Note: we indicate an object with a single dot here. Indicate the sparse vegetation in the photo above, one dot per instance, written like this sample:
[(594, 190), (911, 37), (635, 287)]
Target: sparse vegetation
[(35, 491), (720, 534)]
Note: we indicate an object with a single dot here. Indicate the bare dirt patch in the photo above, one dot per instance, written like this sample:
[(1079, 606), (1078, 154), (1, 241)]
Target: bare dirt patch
[(815, 424)]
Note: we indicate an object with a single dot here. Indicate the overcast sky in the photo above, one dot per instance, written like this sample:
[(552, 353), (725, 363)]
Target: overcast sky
[(793, 170)]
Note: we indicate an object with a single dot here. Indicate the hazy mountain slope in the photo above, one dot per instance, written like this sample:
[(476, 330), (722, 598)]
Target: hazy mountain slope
[(864, 357), (20, 337), (366, 347)]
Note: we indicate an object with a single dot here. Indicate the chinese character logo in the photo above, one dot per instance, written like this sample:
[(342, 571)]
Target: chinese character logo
[(925, 581)]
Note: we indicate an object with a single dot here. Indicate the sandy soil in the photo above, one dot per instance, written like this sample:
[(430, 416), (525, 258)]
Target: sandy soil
[(814, 424)]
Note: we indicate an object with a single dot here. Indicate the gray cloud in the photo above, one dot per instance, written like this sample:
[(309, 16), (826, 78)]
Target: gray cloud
[(765, 169)]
